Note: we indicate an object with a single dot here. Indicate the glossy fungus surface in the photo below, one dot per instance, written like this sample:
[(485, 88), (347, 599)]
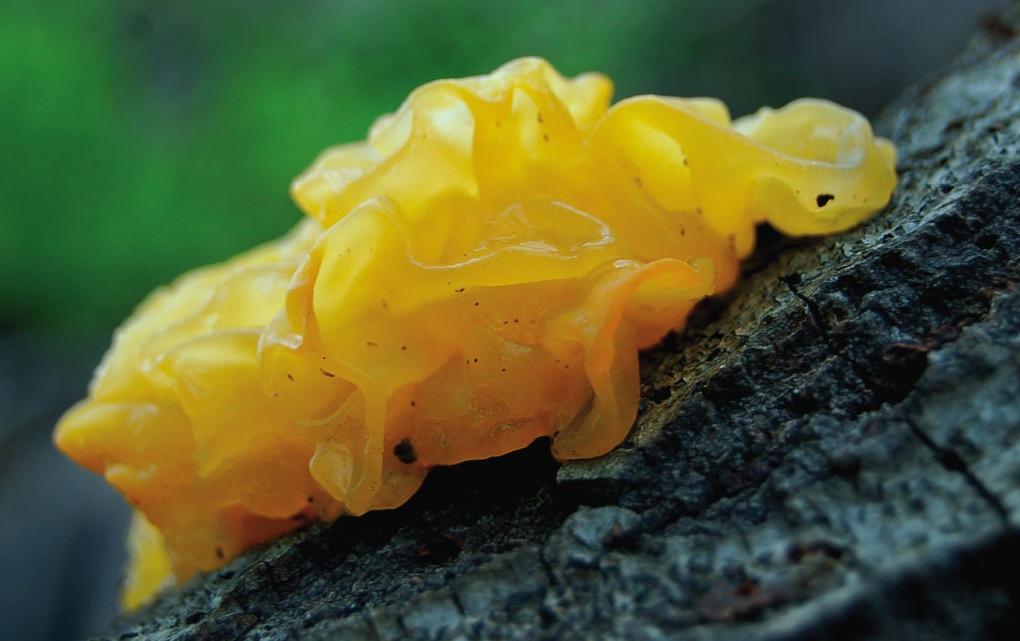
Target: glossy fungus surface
[(478, 273)]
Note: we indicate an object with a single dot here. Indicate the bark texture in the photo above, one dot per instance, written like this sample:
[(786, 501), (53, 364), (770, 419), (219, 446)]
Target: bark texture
[(831, 452)]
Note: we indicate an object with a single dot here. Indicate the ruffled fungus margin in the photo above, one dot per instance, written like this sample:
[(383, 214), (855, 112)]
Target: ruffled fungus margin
[(480, 272)]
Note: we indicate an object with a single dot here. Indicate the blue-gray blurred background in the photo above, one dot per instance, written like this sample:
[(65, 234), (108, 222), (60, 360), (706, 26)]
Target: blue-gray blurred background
[(140, 138)]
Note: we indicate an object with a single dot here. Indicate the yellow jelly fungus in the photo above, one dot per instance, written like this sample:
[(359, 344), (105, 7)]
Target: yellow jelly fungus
[(481, 272)]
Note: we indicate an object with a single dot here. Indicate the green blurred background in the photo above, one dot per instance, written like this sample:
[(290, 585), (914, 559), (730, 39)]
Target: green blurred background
[(144, 137), (141, 138)]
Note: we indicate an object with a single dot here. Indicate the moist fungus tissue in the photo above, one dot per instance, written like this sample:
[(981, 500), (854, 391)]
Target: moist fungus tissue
[(481, 272)]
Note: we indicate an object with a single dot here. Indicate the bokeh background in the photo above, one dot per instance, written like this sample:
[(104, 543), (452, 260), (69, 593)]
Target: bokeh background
[(140, 138)]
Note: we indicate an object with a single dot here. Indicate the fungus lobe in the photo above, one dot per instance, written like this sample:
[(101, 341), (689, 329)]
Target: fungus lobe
[(480, 272)]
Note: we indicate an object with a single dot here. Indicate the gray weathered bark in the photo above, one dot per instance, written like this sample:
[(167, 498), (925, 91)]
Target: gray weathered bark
[(833, 451)]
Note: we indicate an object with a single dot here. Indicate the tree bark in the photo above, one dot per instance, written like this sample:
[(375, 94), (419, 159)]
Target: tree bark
[(833, 451)]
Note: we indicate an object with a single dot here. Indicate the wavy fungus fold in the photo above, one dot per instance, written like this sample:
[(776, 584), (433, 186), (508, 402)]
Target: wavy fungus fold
[(479, 273)]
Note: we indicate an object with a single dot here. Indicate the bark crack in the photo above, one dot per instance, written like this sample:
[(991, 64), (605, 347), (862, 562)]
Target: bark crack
[(946, 457), (878, 391), (951, 461), (457, 604)]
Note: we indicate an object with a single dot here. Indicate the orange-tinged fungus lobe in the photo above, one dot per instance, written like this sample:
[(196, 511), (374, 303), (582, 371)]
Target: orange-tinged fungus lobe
[(482, 271)]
